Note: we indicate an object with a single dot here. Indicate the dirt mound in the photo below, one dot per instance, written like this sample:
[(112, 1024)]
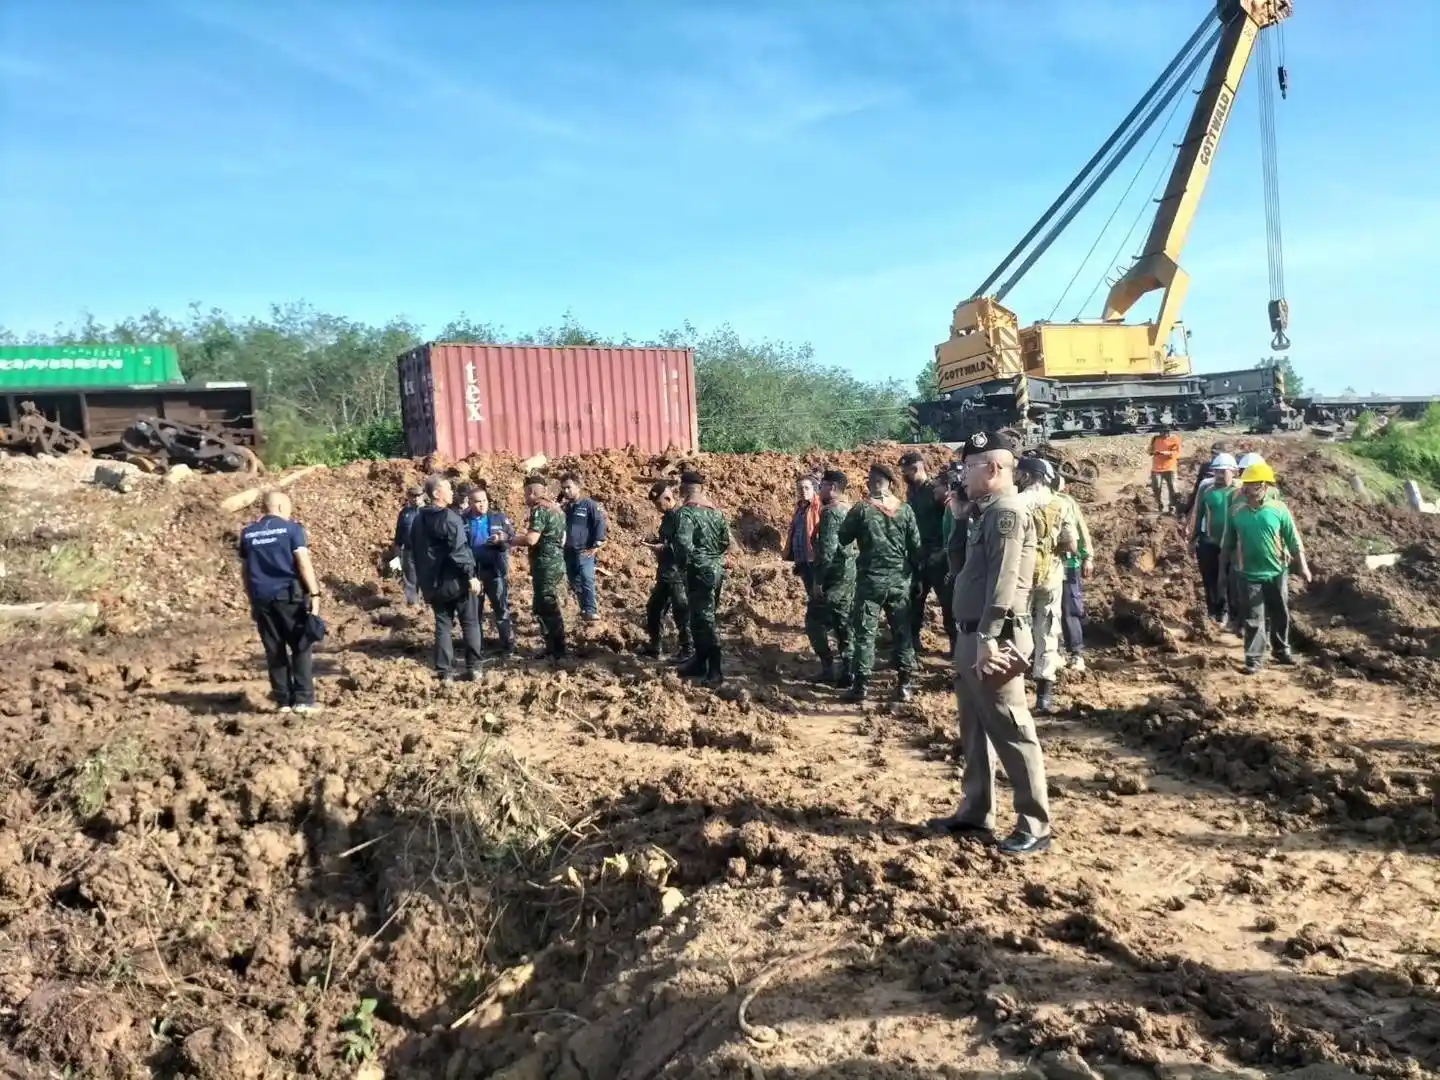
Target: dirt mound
[(601, 871)]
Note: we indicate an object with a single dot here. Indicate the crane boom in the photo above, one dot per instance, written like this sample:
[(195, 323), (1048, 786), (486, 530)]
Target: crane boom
[(1158, 265)]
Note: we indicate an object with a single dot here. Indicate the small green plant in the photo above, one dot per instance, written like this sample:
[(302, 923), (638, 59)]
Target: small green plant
[(91, 780), (75, 571), (359, 1033)]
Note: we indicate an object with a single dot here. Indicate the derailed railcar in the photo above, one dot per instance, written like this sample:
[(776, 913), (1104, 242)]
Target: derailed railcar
[(209, 425)]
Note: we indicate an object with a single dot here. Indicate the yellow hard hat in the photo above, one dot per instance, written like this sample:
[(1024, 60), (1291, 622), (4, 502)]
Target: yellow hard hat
[(1259, 473)]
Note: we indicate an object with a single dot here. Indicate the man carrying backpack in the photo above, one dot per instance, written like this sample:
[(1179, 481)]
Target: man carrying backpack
[(445, 568), (1054, 538)]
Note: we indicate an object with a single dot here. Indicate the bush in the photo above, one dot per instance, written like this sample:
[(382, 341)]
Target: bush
[(1409, 451), (289, 441)]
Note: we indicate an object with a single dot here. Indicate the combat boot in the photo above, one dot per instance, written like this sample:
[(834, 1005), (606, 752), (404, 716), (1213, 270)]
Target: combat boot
[(714, 669), (903, 690), (684, 654), (859, 688), (845, 677), (694, 668), (826, 674), (1044, 696), (651, 649)]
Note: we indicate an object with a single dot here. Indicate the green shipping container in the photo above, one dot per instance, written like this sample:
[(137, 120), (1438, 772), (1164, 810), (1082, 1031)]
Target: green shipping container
[(36, 367)]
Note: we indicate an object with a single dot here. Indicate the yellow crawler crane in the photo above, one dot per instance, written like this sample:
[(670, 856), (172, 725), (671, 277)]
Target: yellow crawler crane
[(1108, 376)]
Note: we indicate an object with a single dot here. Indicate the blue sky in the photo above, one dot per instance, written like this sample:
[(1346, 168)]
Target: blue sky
[(834, 172)]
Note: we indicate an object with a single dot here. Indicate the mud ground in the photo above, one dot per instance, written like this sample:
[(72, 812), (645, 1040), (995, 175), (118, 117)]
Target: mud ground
[(599, 872)]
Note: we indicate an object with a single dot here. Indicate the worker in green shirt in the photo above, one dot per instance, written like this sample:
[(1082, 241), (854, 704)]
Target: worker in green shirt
[(1077, 565), (1207, 530), (1260, 544)]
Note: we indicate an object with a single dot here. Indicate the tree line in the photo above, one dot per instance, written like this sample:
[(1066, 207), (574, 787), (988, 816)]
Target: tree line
[(327, 390)]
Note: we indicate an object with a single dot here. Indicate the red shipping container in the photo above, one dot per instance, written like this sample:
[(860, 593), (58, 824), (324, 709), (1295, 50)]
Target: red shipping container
[(459, 400)]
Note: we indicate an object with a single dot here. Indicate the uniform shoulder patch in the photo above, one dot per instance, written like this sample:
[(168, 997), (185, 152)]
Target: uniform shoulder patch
[(1007, 523)]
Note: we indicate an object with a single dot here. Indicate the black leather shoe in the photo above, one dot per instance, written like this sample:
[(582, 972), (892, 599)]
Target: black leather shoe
[(1285, 659), (651, 650), (857, 692), (845, 678), (955, 826), (1019, 843)]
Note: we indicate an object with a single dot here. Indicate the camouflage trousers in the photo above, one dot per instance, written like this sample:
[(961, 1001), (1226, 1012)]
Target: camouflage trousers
[(828, 616), (702, 591), (548, 584), (891, 597), (669, 594)]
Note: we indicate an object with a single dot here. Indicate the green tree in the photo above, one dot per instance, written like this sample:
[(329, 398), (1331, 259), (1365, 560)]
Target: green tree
[(327, 388), (927, 384)]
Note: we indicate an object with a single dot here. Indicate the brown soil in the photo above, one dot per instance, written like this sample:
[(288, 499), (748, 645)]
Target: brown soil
[(602, 872)]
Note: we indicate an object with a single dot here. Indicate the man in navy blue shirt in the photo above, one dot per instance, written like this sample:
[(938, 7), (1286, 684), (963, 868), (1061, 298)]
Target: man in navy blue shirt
[(491, 533), (283, 590), (584, 536)]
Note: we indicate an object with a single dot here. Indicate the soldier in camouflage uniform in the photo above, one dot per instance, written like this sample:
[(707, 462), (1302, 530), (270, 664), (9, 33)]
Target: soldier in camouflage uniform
[(545, 537), (928, 505), (669, 591), (702, 536), (833, 591), (884, 530)]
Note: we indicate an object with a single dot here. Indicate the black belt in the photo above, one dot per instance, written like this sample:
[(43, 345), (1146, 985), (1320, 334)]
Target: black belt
[(973, 626)]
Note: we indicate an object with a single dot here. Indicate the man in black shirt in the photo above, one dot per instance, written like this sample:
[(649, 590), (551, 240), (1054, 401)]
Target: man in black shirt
[(445, 569), (283, 590), (414, 500)]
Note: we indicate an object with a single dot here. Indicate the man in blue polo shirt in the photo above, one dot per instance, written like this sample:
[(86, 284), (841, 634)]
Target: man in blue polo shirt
[(491, 533), (283, 590), (584, 536)]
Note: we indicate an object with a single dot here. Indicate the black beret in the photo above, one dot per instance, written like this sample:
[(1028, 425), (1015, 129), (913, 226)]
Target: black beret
[(881, 469), (982, 442), (692, 479), (836, 477), (912, 457)]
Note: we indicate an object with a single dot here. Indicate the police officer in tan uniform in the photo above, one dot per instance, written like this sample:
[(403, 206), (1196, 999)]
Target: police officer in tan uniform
[(992, 608)]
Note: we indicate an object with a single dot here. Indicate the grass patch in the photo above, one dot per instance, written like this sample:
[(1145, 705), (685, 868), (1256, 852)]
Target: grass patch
[(75, 570), (1404, 450), (1382, 484)]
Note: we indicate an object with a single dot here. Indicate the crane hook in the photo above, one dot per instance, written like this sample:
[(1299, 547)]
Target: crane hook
[(1283, 73), (1280, 322)]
